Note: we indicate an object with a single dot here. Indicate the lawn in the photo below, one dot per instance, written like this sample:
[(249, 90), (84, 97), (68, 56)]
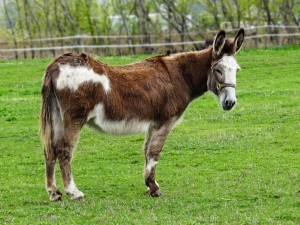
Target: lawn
[(237, 167)]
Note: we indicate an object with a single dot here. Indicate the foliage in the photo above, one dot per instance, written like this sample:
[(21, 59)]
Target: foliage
[(66, 17), (42, 26), (237, 167)]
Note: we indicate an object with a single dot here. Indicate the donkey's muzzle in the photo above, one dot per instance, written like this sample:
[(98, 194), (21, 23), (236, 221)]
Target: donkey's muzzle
[(228, 104)]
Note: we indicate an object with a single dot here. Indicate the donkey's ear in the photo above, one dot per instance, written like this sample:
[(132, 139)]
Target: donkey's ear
[(238, 40), (219, 43)]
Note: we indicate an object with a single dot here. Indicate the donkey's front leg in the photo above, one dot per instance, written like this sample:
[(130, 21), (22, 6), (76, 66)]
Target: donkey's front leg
[(154, 143)]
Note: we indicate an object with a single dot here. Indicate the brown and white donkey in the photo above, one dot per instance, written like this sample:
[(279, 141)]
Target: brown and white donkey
[(148, 96)]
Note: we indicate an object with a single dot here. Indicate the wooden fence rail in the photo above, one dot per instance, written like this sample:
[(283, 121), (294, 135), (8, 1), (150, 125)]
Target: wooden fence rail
[(256, 37)]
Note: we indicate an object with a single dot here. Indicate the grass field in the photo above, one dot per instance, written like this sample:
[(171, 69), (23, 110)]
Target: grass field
[(237, 167)]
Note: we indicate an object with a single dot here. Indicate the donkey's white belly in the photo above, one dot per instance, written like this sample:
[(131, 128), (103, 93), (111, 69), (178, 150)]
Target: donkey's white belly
[(98, 121)]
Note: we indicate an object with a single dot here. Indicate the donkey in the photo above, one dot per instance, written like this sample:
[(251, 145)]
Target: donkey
[(148, 96)]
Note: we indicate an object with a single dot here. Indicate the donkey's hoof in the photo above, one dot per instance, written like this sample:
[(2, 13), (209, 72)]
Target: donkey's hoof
[(156, 193), (77, 195), (55, 196)]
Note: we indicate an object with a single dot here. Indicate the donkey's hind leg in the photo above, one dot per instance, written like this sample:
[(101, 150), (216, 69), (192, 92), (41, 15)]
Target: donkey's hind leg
[(155, 140), (65, 153), (52, 190)]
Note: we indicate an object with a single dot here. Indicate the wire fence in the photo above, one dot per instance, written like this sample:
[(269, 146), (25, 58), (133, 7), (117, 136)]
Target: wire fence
[(256, 37)]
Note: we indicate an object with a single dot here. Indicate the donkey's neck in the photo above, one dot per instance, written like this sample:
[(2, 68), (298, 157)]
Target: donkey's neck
[(194, 68)]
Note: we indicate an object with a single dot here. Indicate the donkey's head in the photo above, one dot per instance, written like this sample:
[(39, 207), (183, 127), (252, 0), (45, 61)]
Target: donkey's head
[(222, 76)]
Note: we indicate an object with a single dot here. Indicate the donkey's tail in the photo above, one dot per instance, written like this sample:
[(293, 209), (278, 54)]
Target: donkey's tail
[(49, 112)]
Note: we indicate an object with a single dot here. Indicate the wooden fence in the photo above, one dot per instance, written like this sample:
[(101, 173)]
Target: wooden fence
[(256, 37)]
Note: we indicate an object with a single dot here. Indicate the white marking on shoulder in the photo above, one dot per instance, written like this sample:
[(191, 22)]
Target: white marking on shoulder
[(97, 119), (72, 77)]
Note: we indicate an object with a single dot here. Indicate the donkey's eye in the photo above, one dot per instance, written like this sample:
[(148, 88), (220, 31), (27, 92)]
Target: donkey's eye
[(218, 72)]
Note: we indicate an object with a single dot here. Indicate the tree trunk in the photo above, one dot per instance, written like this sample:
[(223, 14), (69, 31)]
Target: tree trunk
[(121, 9), (48, 28), (270, 20), (60, 28), (266, 7), (215, 14), (238, 11), (28, 27), (21, 28), (75, 28), (89, 19), (36, 24), (13, 33), (142, 14)]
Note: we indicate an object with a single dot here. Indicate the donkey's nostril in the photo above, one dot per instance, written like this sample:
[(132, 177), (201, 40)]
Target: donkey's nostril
[(229, 103)]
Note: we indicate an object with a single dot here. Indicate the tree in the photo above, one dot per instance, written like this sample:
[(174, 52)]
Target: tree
[(124, 9), (175, 13), (212, 7), (11, 24), (36, 27), (142, 13)]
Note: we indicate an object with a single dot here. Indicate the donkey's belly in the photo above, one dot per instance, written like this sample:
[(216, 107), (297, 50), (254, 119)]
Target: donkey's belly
[(98, 121), (119, 127)]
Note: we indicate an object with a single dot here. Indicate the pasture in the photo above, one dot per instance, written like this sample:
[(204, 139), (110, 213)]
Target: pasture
[(237, 167)]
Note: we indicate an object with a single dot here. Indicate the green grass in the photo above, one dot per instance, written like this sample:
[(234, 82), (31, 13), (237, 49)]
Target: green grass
[(237, 167)]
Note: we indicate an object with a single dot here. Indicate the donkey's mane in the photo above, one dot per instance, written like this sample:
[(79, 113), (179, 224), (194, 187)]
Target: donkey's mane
[(227, 49)]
